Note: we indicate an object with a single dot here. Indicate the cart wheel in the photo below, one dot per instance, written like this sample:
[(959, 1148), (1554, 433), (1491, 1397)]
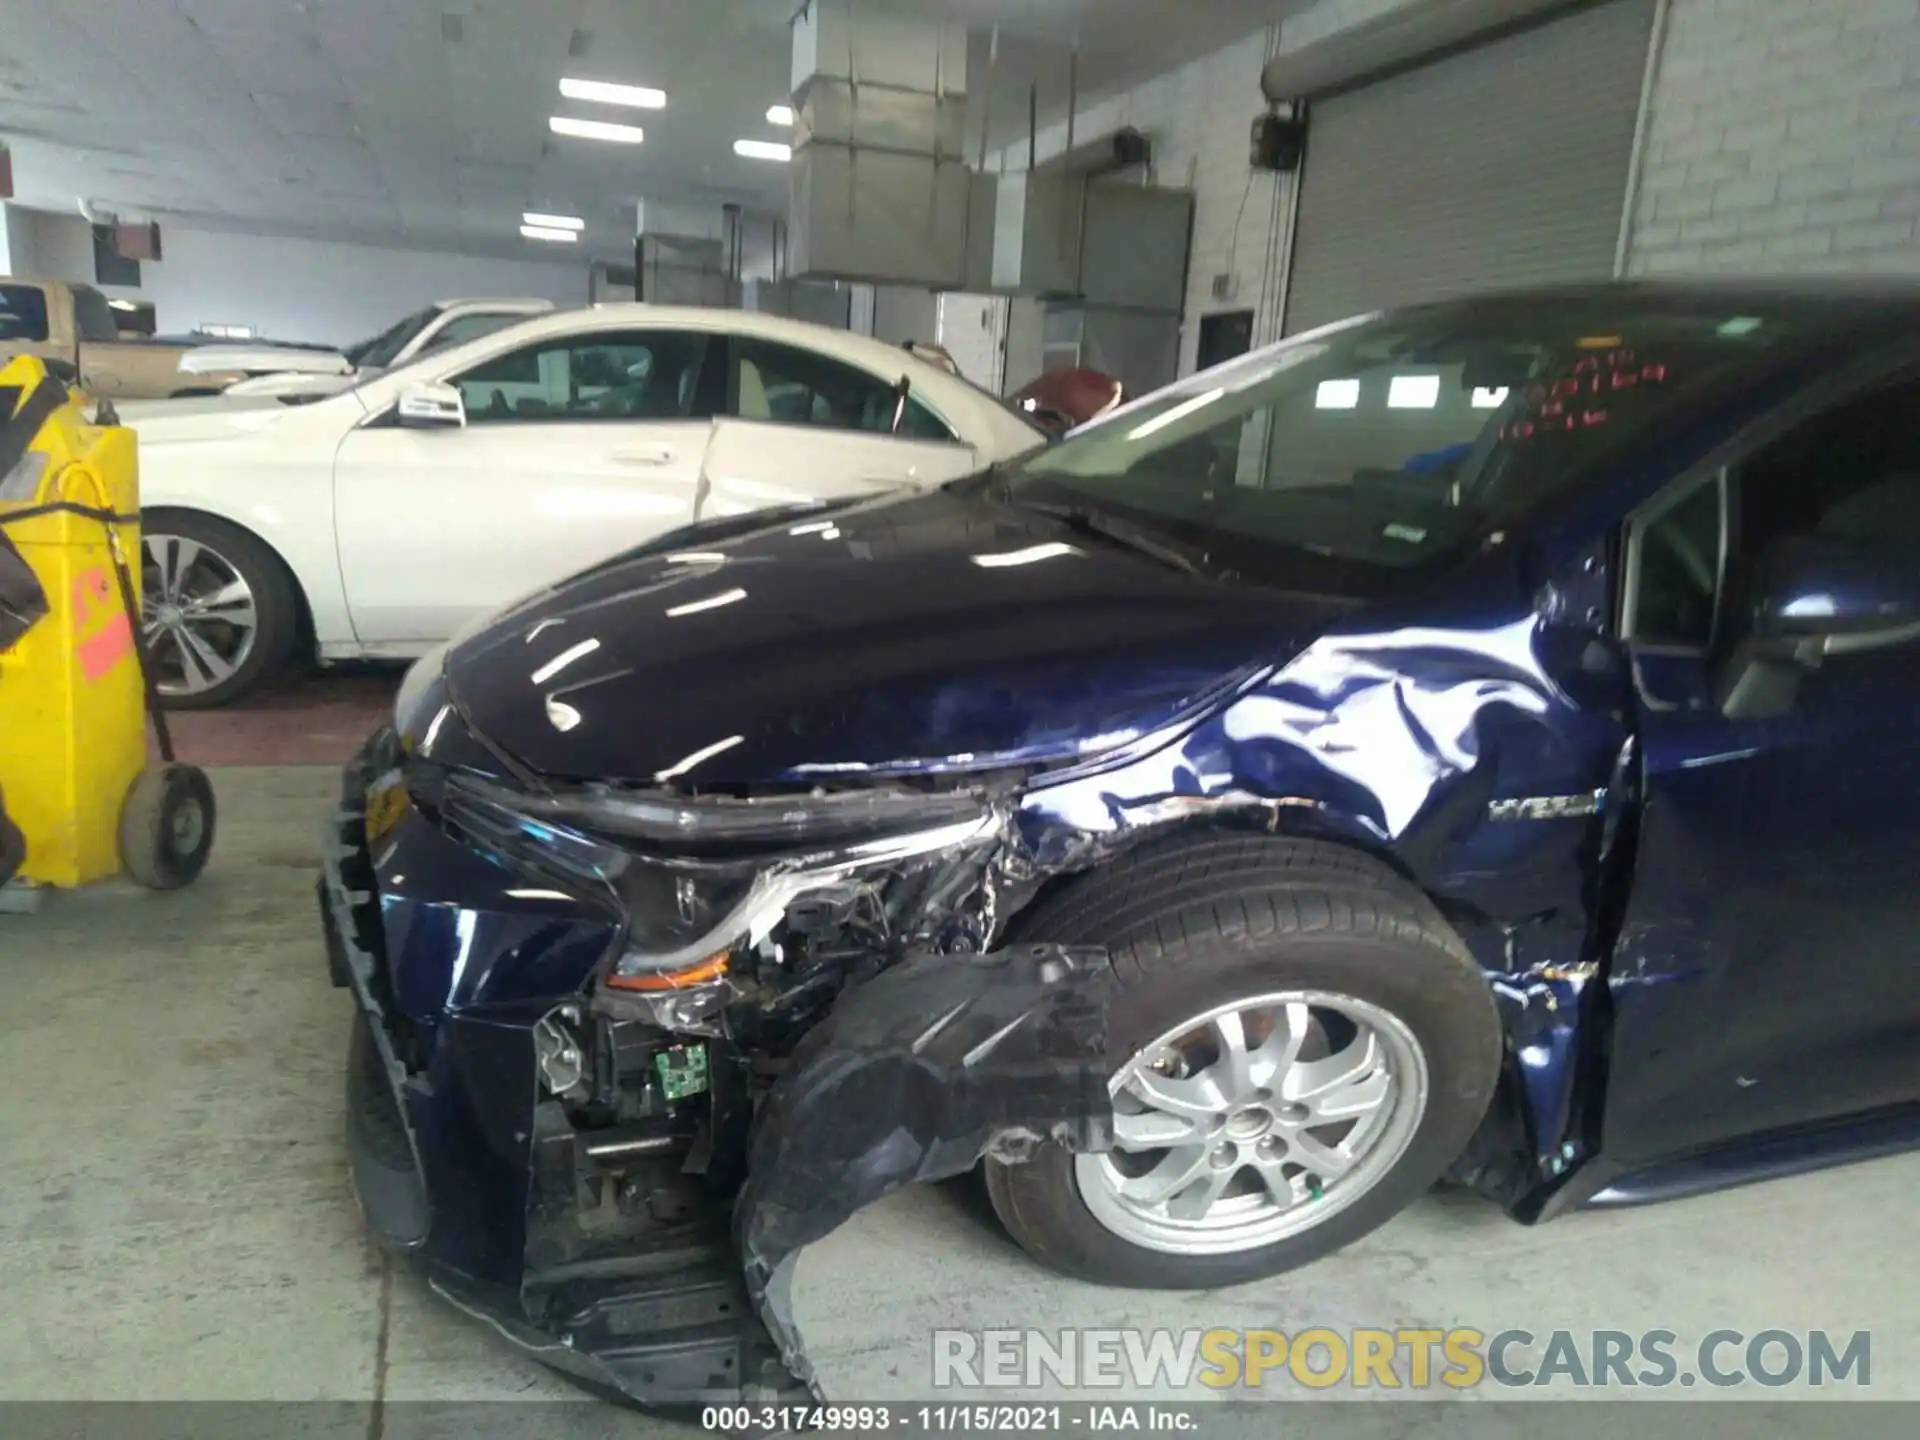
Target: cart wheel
[(166, 826)]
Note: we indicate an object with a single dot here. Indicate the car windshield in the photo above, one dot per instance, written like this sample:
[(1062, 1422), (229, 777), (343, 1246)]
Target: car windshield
[(378, 352), (1348, 459), (23, 312)]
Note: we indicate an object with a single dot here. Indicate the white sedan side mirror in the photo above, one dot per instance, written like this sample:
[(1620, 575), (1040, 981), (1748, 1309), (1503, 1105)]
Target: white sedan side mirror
[(429, 404)]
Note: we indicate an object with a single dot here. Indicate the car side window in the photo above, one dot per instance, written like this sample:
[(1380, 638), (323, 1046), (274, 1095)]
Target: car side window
[(785, 385), (615, 375), (92, 316), (1678, 569), (1852, 474), (23, 313)]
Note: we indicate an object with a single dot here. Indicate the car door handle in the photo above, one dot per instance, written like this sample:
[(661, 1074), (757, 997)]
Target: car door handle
[(644, 455)]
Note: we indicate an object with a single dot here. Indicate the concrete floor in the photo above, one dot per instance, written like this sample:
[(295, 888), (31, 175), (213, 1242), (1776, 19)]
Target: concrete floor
[(176, 1221)]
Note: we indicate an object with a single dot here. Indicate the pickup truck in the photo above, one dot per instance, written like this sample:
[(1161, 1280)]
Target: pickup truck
[(71, 325)]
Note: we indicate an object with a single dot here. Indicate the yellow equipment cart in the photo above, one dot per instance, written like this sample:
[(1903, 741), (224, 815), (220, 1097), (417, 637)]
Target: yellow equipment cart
[(78, 800)]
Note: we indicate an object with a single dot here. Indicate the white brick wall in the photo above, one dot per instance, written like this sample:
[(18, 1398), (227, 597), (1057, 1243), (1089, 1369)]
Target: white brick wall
[(1198, 117), (1783, 135)]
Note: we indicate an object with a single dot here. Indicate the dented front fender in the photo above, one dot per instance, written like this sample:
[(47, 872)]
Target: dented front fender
[(914, 1076)]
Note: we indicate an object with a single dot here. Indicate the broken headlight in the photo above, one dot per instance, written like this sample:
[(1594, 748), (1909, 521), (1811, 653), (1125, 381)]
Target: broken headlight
[(741, 905), (687, 915)]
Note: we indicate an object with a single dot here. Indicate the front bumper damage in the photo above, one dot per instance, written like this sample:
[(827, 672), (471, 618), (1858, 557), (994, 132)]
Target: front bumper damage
[(916, 1075), (646, 1265), (552, 1153)]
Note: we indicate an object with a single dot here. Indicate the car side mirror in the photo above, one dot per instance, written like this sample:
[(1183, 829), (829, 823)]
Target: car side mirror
[(431, 405), (1817, 597)]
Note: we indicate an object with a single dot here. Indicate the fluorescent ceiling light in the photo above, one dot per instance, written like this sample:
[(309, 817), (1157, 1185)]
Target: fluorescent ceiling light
[(122, 305), (547, 232), (762, 150), (780, 115), (1337, 395), (1413, 392), (638, 97), (1489, 399), (596, 130), (553, 222)]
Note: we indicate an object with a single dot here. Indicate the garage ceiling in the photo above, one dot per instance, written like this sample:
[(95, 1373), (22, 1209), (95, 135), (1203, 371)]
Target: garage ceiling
[(424, 122)]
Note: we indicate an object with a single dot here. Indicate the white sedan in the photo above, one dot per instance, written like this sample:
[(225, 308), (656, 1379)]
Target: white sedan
[(374, 523)]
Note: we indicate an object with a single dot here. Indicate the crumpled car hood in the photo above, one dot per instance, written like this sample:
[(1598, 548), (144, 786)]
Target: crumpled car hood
[(938, 633)]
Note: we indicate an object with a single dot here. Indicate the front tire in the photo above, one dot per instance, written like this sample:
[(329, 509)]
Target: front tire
[(218, 611), (1300, 1048)]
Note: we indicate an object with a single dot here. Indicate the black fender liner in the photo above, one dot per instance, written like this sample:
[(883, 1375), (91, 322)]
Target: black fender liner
[(913, 1076)]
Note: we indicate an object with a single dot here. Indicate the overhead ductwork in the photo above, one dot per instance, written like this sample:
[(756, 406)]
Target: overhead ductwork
[(823, 302), (1070, 226), (683, 254), (881, 193), (681, 224), (879, 188), (1026, 232), (1109, 154), (1099, 261)]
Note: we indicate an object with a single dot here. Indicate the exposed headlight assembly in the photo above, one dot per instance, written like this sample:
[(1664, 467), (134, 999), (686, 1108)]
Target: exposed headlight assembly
[(685, 917), (760, 898)]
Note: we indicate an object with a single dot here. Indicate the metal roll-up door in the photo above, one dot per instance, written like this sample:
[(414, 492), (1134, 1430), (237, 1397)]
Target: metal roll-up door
[(1506, 164)]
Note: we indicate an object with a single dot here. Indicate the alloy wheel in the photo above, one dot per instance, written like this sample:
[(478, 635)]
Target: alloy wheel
[(198, 614), (1255, 1121)]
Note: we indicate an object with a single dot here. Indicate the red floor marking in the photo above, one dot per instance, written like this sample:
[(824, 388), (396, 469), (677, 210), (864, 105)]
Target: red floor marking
[(304, 722)]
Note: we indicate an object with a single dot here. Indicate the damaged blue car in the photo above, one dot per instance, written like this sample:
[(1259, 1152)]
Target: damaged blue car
[(1473, 741)]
